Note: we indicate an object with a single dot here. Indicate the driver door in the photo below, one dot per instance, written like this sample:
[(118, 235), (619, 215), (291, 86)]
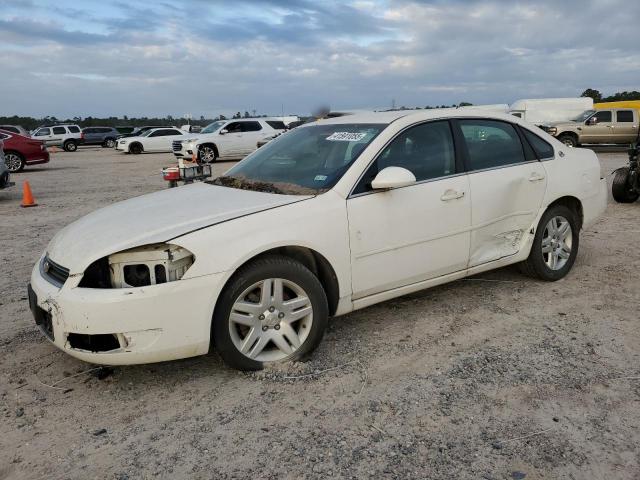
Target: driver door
[(601, 131), (414, 233), (232, 140)]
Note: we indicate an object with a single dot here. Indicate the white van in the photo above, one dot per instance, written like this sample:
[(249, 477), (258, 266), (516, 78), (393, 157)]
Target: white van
[(545, 110)]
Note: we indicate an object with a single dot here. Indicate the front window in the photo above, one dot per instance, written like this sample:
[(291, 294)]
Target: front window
[(213, 127), (305, 161), (584, 115)]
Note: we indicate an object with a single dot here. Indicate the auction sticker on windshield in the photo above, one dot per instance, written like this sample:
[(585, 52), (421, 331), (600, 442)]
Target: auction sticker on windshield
[(346, 137)]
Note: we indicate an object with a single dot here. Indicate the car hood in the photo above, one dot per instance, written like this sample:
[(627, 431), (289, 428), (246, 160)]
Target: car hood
[(156, 217), (555, 124)]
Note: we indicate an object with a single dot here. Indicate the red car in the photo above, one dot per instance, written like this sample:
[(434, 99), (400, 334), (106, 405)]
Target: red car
[(20, 151)]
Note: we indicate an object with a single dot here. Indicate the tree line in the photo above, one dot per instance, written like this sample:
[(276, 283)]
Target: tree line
[(31, 123), (616, 97)]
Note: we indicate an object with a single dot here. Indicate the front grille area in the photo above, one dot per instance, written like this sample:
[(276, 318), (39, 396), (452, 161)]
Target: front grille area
[(56, 274), (177, 145)]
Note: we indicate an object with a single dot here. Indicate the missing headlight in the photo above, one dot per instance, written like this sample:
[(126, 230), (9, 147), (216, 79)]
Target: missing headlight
[(138, 267), (149, 265)]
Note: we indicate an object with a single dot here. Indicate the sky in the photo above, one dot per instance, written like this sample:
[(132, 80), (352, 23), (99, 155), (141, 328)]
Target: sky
[(83, 58)]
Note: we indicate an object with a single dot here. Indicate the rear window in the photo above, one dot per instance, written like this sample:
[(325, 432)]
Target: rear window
[(73, 129), (276, 124), (9, 128), (624, 116), (542, 148)]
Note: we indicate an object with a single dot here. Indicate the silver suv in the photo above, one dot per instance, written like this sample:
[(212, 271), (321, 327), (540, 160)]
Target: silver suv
[(65, 136)]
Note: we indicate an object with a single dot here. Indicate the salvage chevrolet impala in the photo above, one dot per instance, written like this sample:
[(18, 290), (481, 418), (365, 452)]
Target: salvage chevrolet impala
[(323, 220)]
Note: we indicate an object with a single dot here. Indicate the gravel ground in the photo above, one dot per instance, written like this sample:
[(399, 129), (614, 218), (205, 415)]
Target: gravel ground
[(492, 377)]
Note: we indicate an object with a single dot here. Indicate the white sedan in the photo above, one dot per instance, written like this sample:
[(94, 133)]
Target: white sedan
[(153, 140), (332, 217)]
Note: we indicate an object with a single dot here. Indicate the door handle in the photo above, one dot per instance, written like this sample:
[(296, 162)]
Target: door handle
[(536, 177), (451, 195)]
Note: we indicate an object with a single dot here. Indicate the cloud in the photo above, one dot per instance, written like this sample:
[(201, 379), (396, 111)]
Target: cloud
[(66, 58)]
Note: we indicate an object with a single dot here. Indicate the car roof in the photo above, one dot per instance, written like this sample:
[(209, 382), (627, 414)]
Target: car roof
[(416, 115)]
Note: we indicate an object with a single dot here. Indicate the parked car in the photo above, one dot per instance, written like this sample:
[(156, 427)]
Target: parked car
[(16, 129), (105, 136), (540, 111), (140, 130), (610, 126), (153, 140), (65, 136), (5, 180), (331, 217), (227, 139), (20, 151)]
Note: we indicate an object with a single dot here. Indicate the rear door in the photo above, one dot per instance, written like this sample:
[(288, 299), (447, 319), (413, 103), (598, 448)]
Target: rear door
[(58, 134), (507, 185), (626, 126), (161, 140), (601, 131), (90, 135)]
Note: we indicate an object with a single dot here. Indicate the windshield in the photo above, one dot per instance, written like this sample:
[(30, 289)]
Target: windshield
[(584, 115), (304, 161), (212, 127)]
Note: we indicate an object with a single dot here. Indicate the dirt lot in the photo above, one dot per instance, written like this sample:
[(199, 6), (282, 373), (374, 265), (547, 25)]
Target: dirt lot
[(493, 377)]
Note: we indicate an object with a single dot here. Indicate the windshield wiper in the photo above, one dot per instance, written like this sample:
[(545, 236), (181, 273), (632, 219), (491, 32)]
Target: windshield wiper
[(244, 184)]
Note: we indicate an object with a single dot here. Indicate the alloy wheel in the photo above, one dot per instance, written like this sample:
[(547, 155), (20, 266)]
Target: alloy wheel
[(13, 162), (207, 155), (270, 320), (557, 241)]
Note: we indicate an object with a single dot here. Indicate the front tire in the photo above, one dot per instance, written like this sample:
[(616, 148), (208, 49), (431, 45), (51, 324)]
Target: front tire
[(136, 149), (568, 140), (14, 161), (555, 245), (621, 190), (70, 146), (207, 154), (272, 310)]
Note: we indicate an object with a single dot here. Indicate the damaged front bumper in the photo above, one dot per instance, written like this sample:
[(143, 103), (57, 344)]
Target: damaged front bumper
[(126, 325)]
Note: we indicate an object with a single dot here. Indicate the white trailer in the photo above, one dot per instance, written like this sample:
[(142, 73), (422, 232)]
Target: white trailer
[(545, 110)]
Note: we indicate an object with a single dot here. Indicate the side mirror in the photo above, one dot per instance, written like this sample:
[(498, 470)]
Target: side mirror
[(393, 177), (592, 121), (224, 131)]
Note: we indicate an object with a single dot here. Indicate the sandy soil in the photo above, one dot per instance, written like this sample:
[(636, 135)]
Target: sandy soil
[(493, 377)]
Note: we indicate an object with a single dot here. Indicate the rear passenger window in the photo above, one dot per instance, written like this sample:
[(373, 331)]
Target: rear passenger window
[(251, 126), (74, 129), (276, 125), (491, 144), (59, 131), (624, 116), (542, 148)]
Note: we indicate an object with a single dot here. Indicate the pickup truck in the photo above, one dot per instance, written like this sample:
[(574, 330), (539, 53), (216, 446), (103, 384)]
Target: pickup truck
[(610, 126)]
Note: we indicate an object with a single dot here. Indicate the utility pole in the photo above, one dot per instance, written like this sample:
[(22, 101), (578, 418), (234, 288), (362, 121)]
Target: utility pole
[(393, 104)]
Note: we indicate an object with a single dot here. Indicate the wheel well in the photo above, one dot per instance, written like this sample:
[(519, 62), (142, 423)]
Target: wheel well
[(568, 134), (315, 262), (14, 152), (209, 144), (70, 140), (136, 143), (572, 203)]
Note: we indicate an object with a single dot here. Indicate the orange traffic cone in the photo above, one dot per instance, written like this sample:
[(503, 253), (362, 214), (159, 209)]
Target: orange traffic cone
[(27, 196)]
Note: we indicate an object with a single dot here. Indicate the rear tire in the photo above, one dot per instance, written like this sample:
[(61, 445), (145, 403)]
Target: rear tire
[(243, 314), (621, 190), (109, 143), (555, 246), (14, 161), (70, 146), (568, 140)]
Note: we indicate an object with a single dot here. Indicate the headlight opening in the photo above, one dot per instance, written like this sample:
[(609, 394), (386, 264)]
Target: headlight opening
[(149, 265)]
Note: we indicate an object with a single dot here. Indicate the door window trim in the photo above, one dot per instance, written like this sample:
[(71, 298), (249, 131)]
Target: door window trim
[(459, 167)]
